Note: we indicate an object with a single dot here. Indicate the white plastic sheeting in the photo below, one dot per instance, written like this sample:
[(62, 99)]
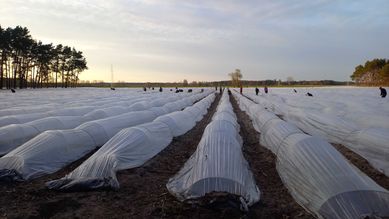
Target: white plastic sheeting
[(43, 100), (369, 142), (319, 178), (218, 164), (51, 150), (24, 110), (35, 157), (80, 102), (19, 119), (69, 111), (51, 99), (179, 122), (362, 106), (14, 135), (129, 148)]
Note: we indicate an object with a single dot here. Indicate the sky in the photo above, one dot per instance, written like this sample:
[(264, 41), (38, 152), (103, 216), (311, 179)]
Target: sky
[(204, 40)]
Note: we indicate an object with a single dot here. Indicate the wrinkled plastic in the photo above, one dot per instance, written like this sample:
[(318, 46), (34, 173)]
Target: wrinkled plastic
[(129, 148), (369, 142), (318, 177), (14, 135), (218, 164), (34, 158), (90, 111)]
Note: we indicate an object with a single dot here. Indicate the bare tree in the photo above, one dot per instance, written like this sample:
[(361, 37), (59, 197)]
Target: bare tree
[(185, 83), (235, 77), (289, 79)]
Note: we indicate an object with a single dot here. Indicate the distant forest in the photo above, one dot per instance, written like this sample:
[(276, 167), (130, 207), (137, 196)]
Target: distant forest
[(228, 83), (26, 62), (374, 72)]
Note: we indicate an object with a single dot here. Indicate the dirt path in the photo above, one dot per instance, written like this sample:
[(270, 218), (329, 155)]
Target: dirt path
[(275, 201), (362, 164)]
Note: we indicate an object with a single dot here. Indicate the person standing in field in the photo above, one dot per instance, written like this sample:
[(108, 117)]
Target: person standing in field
[(256, 91), (241, 89), (383, 92), (266, 89)]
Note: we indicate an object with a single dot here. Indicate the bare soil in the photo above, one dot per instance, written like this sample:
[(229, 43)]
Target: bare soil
[(362, 164)]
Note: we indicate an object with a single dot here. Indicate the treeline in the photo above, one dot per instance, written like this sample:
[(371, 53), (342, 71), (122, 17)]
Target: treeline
[(214, 83), (374, 72), (26, 62), (293, 83)]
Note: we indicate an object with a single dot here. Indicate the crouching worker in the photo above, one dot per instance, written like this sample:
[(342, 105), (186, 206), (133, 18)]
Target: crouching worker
[(383, 92)]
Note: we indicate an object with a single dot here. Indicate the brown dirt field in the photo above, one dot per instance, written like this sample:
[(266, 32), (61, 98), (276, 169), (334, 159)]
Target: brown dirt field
[(275, 201), (362, 164)]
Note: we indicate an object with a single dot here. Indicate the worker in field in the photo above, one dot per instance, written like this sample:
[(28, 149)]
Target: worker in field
[(309, 94), (295, 90), (241, 89), (256, 91), (266, 89), (383, 92), (160, 89)]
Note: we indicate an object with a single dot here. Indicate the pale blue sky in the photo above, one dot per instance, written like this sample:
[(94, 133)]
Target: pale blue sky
[(172, 40)]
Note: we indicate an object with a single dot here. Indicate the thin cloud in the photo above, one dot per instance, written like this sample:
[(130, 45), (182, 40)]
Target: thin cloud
[(152, 40)]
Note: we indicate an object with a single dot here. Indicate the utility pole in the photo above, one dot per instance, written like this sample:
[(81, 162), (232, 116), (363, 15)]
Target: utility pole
[(111, 76)]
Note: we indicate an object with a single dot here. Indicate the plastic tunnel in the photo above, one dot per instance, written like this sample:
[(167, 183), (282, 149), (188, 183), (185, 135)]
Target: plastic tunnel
[(14, 135), (36, 157), (318, 177), (218, 164), (89, 109), (129, 148), (369, 142)]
